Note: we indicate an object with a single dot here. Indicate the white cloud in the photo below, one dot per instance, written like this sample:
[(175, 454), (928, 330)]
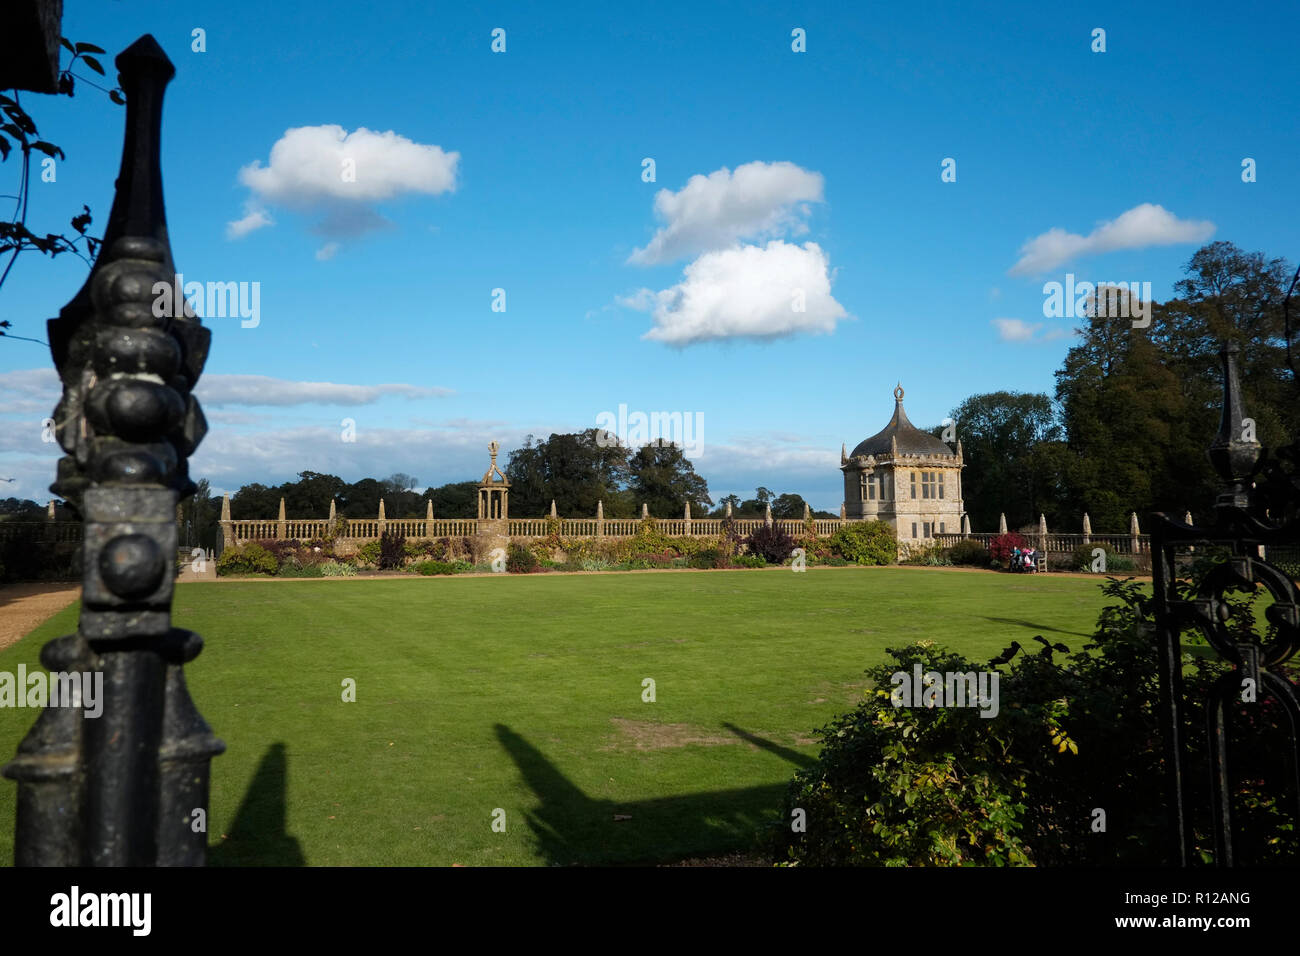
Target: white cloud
[(336, 175), (1015, 330), (255, 217), (30, 391), (757, 200), (1018, 330), (219, 390), (744, 292), (327, 251), (230, 458), (1139, 227)]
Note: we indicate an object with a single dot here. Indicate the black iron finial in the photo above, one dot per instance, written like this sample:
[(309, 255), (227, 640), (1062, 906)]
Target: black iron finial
[(121, 787), (1234, 452)]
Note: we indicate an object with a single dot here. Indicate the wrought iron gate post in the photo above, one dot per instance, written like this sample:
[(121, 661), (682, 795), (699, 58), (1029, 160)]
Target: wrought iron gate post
[(1257, 508), (121, 788)]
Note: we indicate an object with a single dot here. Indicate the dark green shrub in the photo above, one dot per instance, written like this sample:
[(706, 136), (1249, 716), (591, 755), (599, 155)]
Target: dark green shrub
[(428, 568), (866, 542), (301, 571), (970, 553), (520, 560), (1084, 557), (749, 561), (770, 542), (710, 558), (369, 553), (248, 558)]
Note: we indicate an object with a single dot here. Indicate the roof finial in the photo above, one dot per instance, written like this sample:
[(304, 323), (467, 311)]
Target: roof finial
[(898, 392)]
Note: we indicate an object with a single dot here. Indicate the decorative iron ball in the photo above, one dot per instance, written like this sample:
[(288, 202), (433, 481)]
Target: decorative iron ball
[(132, 566)]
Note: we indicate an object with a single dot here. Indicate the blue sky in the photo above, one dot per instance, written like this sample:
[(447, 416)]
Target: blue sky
[(817, 170)]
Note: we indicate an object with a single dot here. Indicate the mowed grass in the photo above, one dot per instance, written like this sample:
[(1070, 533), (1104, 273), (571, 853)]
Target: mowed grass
[(524, 694)]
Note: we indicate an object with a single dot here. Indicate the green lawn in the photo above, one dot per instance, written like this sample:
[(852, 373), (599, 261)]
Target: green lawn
[(524, 693)]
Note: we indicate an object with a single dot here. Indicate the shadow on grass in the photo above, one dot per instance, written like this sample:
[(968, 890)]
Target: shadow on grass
[(573, 828), (1018, 622), (802, 761), (257, 836)]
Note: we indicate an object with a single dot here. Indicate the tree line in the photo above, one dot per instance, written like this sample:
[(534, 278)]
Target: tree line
[(1126, 429), (1134, 409)]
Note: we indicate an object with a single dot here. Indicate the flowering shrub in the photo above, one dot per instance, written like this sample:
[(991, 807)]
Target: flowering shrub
[(1002, 546)]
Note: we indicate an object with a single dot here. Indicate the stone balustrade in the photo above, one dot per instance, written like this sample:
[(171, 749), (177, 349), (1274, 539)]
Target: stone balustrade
[(349, 534)]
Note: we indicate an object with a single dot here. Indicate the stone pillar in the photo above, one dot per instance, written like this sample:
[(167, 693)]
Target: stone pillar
[(428, 519), (688, 517), (844, 512), (1042, 533), (281, 527), (49, 511), (1087, 529), (965, 525), (767, 515), (645, 511), (383, 522), (227, 529), (1133, 532), (553, 508), (728, 509), (600, 518), (806, 513), (1002, 523), (1187, 517)]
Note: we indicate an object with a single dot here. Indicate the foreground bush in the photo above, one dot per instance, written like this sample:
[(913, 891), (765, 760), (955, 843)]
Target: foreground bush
[(866, 542), (918, 786)]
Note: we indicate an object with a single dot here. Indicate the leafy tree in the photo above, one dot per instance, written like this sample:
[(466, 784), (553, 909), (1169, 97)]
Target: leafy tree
[(361, 499), (788, 506), (1139, 406), (664, 478), (310, 495), (456, 500), (721, 509), (21, 509), (1008, 441), (199, 517), (255, 501), (575, 470)]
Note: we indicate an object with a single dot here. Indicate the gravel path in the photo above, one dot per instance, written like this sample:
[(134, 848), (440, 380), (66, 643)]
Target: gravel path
[(24, 606)]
